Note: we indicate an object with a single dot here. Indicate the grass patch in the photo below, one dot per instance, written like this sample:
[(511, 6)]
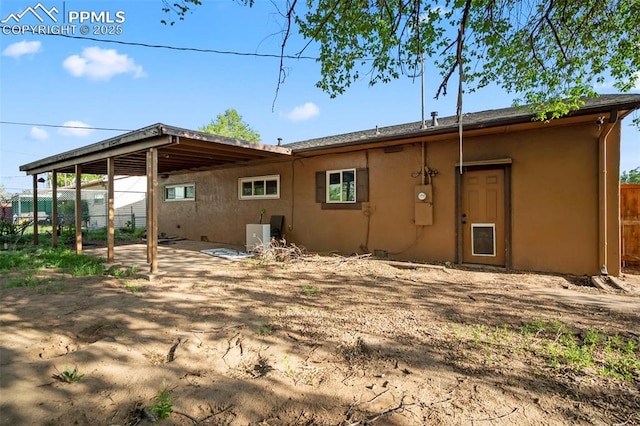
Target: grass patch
[(24, 281), (57, 258), (557, 345), (310, 290), (265, 330), (121, 273), (60, 259), (131, 287)]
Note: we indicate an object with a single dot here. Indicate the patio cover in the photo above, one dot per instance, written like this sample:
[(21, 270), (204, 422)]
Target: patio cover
[(152, 150)]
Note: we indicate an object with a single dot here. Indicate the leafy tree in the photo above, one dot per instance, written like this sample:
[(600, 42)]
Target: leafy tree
[(231, 125), (632, 176), (66, 179), (548, 53)]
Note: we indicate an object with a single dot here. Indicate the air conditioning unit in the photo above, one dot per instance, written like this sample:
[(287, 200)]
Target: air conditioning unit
[(258, 235)]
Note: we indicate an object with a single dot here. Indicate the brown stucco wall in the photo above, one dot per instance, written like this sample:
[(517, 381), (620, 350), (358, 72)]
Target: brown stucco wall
[(554, 200), (217, 213)]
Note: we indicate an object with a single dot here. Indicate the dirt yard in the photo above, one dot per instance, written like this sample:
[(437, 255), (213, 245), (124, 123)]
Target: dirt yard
[(321, 341)]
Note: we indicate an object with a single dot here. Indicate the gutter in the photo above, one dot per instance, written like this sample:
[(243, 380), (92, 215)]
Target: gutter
[(603, 224)]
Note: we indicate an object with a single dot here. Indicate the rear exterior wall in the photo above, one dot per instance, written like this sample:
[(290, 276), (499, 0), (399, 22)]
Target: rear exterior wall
[(554, 200)]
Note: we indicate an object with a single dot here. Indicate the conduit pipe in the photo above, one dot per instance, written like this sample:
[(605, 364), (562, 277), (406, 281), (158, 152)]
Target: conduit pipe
[(602, 192)]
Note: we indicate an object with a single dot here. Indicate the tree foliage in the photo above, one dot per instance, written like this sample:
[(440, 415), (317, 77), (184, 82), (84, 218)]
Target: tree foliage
[(548, 53), (231, 125), (68, 179), (631, 176)]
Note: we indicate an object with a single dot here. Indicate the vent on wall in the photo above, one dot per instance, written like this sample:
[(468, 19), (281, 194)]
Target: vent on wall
[(392, 149)]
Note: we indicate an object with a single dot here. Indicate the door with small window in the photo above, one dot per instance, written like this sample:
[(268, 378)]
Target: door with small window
[(483, 217)]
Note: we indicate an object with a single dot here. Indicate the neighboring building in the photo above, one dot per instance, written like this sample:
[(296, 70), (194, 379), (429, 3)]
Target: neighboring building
[(129, 203), (129, 199), (529, 195), (529, 198)]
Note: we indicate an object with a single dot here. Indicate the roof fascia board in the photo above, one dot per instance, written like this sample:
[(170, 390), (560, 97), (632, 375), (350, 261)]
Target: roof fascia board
[(445, 133), (222, 140), (117, 141)]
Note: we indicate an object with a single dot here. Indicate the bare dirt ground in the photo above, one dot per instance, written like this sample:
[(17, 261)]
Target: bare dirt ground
[(322, 341)]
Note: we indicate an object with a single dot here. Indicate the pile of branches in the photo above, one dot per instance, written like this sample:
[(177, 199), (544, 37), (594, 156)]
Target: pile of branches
[(279, 251)]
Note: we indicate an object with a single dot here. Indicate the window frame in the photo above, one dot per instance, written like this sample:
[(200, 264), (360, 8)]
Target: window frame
[(99, 199), (264, 179), (328, 186), (184, 186)]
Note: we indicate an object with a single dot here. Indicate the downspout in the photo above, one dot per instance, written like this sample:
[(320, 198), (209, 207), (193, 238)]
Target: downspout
[(603, 199)]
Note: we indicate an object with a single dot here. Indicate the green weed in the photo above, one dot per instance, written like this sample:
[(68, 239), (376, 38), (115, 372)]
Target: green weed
[(131, 287), (163, 405), (265, 330), (69, 376), (310, 290), (121, 273)]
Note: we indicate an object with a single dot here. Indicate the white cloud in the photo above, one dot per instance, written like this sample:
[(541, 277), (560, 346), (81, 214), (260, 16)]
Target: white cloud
[(101, 64), (21, 48), (75, 128), (38, 134), (303, 112)]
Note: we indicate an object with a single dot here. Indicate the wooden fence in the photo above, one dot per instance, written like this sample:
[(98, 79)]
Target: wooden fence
[(630, 222)]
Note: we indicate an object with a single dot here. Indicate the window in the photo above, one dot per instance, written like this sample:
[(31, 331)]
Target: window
[(259, 187), (344, 189), (179, 192), (98, 199), (341, 186)]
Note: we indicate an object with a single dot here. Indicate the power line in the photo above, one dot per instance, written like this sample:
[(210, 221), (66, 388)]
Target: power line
[(63, 126), (188, 49)]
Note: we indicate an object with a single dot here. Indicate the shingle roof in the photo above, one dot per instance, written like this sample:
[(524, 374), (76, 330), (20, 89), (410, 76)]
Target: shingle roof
[(483, 119)]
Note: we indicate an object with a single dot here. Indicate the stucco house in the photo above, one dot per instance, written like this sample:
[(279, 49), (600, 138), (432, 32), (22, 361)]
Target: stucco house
[(524, 194)]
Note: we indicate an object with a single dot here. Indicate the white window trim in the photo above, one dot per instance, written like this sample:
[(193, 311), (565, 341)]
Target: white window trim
[(253, 179), (355, 185), (180, 185), (484, 225)]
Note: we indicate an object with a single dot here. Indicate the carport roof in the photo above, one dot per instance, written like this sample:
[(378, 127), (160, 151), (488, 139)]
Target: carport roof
[(178, 149)]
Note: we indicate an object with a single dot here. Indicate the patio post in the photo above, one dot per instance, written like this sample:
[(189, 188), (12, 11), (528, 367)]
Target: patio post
[(35, 210), (110, 211), (78, 220), (152, 209), (54, 208)]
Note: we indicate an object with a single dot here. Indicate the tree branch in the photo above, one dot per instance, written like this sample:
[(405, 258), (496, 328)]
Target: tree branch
[(460, 45), (281, 73)]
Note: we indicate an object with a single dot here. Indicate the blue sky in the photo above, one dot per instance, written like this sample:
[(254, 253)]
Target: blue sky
[(54, 80)]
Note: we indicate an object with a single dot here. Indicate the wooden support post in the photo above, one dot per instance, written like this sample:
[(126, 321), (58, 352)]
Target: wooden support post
[(149, 206), (35, 210), (54, 208), (110, 211), (152, 209), (78, 220)]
